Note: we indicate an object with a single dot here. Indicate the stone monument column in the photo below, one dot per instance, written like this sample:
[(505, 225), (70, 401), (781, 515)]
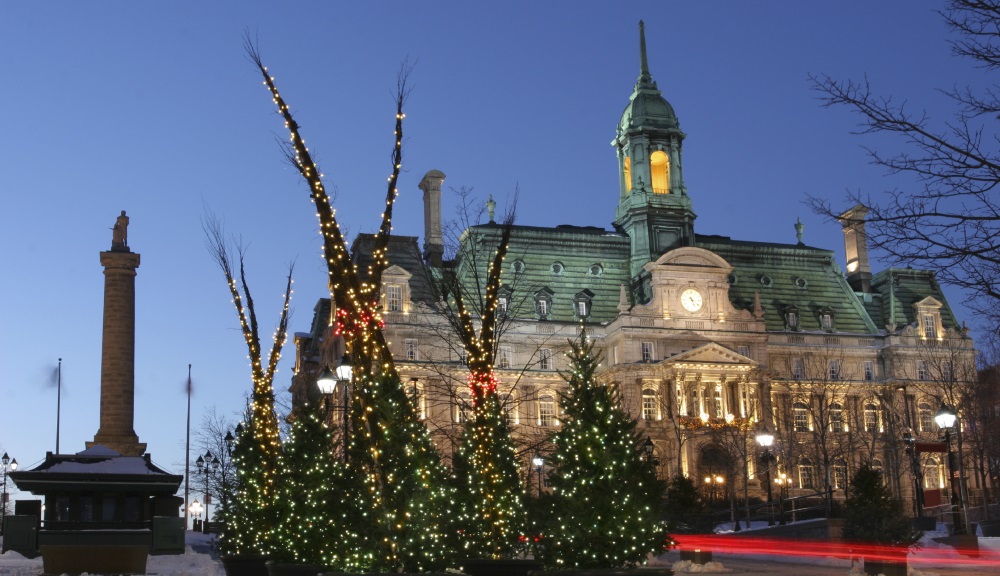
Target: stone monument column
[(118, 347)]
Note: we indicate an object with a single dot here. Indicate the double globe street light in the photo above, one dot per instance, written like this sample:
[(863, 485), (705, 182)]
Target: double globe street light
[(327, 384)]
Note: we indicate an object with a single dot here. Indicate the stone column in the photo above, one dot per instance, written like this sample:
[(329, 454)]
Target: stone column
[(118, 353)]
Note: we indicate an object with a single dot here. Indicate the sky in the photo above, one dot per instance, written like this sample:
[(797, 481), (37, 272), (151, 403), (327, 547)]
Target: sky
[(154, 108)]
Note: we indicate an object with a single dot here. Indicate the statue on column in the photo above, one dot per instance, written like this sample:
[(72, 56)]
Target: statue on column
[(119, 234)]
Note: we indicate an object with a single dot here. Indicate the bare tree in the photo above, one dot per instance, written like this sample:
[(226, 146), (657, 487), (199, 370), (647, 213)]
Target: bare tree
[(952, 223)]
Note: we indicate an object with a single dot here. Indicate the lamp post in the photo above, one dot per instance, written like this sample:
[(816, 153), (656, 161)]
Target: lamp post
[(12, 464), (918, 476), (195, 510), (782, 481), (204, 465), (539, 464), (648, 448), (945, 419), (345, 373), (230, 440), (766, 439)]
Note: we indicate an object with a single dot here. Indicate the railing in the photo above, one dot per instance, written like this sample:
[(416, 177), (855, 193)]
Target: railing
[(779, 511)]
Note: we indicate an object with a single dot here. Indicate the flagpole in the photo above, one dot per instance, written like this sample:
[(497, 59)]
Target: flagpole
[(58, 402), (187, 451)]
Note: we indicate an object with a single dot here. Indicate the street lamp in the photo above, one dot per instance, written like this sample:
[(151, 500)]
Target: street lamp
[(945, 419), (204, 465), (195, 510), (539, 464), (345, 372), (766, 439), (12, 464), (918, 476), (230, 441), (782, 481)]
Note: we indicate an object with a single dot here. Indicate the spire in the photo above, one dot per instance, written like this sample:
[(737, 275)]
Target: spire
[(645, 79)]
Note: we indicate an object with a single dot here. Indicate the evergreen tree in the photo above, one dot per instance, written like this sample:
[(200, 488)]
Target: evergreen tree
[(684, 508), (488, 488), (311, 528), (398, 492), (873, 515), (605, 494), (249, 525)]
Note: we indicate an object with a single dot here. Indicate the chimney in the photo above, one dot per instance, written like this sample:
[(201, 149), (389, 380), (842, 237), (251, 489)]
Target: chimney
[(859, 271), (118, 347), (433, 242)]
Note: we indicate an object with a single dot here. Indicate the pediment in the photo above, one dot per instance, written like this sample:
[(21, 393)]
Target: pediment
[(397, 271), (928, 302), (691, 257), (711, 354)]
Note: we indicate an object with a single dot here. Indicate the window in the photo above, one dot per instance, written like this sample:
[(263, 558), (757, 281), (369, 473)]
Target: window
[(582, 303), (557, 268), (463, 357), (933, 477), (800, 417), (505, 358), (922, 373), (930, 327), (743, 351), (694, 404), (650, 406), (518, 266), (833, 368), (840, 474), (925, 417), (545, 359), (596, 270), (798, 368), (868, 366), (947, 374), (826, 321), (717, 402), (806, 473), (837, 418), (659, 168), (394, 298), (411, 349), (543, 303), (419, 398), (581, 309), (510, 409), (463, 406), (546, 410), (748, 396), (647, 351), (792, 319), (502, 304), (871, 417)]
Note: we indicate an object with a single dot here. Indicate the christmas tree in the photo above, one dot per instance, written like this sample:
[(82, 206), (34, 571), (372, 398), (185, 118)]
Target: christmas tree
[(311, 529), (873, 515), (398, 487), (491, 513), (605, 494), (394, 473)]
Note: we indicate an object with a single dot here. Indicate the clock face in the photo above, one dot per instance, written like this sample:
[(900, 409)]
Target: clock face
[(691, 300)]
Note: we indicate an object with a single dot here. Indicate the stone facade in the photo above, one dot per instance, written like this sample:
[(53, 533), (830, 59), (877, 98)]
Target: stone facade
[(710, 339)]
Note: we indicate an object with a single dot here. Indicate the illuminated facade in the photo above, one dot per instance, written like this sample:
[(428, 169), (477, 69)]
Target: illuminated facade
[(710, 339)]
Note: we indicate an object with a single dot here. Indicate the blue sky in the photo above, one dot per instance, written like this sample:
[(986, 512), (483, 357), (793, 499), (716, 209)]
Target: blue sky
[(153, 108)]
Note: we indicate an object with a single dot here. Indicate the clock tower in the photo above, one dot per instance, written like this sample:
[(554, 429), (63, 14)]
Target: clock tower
[(654, 209)]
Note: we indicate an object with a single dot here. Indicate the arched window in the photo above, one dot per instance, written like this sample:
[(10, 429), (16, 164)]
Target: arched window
[(546, 410), (627, 173), (837, 417), (925, 417), (659, 166), (650, 404), (807, 473), (800, 417), (872, 424), (510, 409)]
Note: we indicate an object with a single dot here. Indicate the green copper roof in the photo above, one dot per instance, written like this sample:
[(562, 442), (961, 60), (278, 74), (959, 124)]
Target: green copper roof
[(898, 289), (561, 260), (790, 276)]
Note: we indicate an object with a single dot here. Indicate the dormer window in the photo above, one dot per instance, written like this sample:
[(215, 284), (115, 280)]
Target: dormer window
[(557, 268), (791, 318), (394, 298), (930, 327), (503, 301), (543, 303), (582, 304), (928, 319), (826, 319), (518, 266)]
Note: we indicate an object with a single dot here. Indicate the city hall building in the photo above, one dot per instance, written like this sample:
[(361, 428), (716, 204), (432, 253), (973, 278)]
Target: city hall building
[(710, 339)]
